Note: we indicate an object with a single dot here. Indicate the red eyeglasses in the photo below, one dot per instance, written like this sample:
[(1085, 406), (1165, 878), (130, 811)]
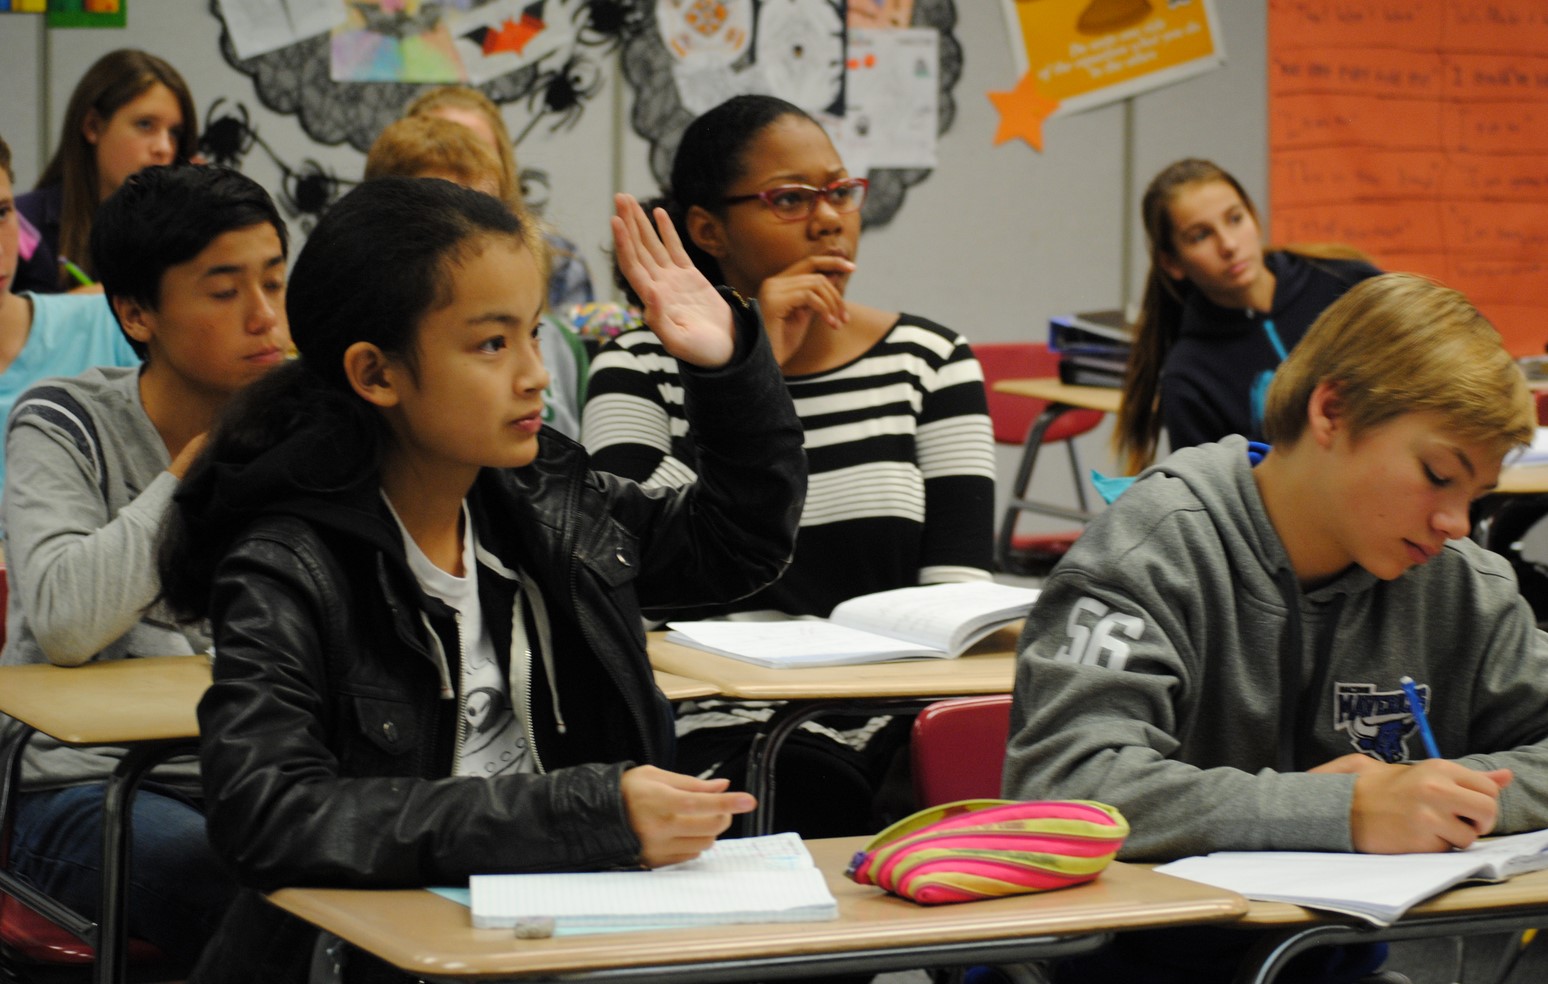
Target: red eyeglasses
[(791, 203)]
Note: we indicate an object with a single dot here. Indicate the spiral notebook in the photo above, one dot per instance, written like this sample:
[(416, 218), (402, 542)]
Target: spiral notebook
[(746, 880)]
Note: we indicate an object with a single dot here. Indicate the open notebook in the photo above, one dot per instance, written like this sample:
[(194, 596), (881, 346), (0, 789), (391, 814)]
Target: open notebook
[(938, 621), (746, 880), (1376, 887)]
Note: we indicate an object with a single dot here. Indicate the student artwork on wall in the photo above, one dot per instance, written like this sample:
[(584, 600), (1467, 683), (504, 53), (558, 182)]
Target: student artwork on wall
[(23, 6), (347, 70), (1074, 55), (87, 13), (1418, 132), (878, 74)]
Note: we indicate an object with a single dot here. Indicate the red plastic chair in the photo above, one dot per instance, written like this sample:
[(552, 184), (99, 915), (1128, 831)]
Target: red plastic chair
[(958, 749), (1013, 418)]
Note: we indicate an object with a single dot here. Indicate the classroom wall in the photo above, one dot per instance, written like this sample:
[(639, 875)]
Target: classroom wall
[(993, 243)]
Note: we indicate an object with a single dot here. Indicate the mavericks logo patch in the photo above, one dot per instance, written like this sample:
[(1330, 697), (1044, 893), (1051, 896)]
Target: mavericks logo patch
[(1377, 722)]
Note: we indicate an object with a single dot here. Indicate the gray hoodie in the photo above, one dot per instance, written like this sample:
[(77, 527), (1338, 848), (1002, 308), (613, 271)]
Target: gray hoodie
[(85, 493), (1174, 668)]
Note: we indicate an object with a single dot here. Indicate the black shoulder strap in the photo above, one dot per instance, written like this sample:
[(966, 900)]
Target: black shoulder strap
[(58, 407)]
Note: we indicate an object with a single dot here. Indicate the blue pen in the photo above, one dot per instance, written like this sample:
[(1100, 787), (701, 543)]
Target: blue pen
[(1417, 707)]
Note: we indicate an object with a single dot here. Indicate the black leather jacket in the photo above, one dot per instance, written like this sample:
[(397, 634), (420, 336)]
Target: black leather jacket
[(327, 744)]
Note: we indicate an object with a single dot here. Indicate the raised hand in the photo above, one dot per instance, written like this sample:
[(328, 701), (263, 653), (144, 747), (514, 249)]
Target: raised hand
[(1433, 805), (685, 311), (678, 817), (799, 296)]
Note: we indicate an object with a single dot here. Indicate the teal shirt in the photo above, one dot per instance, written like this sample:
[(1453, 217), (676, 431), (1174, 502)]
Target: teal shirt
[(70, 333)]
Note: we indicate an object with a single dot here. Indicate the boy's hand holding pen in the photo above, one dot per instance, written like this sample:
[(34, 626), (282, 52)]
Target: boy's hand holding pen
[(1430, 805)]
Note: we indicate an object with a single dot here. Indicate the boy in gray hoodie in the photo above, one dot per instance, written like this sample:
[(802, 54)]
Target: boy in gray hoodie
[(1219, 655), (192, 261)]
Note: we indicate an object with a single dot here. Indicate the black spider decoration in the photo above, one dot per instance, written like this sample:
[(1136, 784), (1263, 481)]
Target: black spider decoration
[(226, 139), (609, 23), (534, 189), (307, 193), (563, 91)]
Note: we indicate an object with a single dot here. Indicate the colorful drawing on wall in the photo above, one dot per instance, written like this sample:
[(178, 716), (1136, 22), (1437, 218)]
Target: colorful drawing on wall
[(890, 95), (1074, 55), (880, 14), (554, 87), (502, 36), (702, 52), (87, 13), (23, 6), (1419, 134), (395, 41)]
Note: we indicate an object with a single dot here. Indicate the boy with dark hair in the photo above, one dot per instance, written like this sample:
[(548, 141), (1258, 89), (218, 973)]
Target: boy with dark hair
[(1220, 654), (192, 260)]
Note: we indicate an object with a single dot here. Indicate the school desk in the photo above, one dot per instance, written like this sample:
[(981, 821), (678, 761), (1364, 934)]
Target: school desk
[(432, 938), (1511, 906), (147, 706), (901, 687), (1522, 480)]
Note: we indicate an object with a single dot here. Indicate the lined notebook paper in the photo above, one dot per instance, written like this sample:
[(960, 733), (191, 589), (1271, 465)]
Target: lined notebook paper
[(753, 879), (1376, 887)]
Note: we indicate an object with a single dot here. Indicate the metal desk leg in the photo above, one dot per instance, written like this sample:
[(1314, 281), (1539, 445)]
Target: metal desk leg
[(117, 829), (1019, 503), (1269, 957), (47, 906), (764, 750)]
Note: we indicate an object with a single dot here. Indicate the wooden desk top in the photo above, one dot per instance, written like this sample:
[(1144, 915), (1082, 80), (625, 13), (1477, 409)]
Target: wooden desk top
[(134, 700), (682, 688), (1103, 398), (1520, 891), (1522, 480), (425, 934), (987, 668), (116, 702)]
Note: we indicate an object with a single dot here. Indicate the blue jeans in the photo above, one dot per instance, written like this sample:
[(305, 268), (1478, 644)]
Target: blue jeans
[(177, 888)]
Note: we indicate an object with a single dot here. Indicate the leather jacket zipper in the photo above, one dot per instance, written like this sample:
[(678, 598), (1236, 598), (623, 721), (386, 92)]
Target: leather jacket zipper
[(462, 693)]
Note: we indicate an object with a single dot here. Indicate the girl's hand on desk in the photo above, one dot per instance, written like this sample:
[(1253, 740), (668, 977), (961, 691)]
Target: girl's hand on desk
[(804, 292), (1429, 806), (678, 817), (684, 310)]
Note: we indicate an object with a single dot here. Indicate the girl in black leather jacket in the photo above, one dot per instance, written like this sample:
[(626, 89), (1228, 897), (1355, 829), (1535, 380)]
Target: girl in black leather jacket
[(425, 606)]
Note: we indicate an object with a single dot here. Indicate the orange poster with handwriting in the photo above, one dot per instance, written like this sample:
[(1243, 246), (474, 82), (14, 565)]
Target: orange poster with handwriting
[(1085, 53), (1417, 130)]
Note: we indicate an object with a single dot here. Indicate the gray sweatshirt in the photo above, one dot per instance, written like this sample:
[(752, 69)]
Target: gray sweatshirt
[(86, 488), (1174, 669)]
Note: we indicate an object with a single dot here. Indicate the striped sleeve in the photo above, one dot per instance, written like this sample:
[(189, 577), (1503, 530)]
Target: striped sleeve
[(634, 420), (956, 456)]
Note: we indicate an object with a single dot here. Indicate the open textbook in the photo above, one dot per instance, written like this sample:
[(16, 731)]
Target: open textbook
[(745, 880), (1376, 887), (936, 620)]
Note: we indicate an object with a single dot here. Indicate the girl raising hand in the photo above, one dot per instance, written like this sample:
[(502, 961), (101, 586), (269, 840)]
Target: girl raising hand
[(426, 605)]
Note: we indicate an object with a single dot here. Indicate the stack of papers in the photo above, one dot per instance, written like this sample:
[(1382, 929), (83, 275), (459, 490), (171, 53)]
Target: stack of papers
[(1378, 888), (749, 880)]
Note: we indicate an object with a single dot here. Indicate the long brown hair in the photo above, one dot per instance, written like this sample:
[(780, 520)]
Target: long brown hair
[(1160, 318), (116, 78)]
